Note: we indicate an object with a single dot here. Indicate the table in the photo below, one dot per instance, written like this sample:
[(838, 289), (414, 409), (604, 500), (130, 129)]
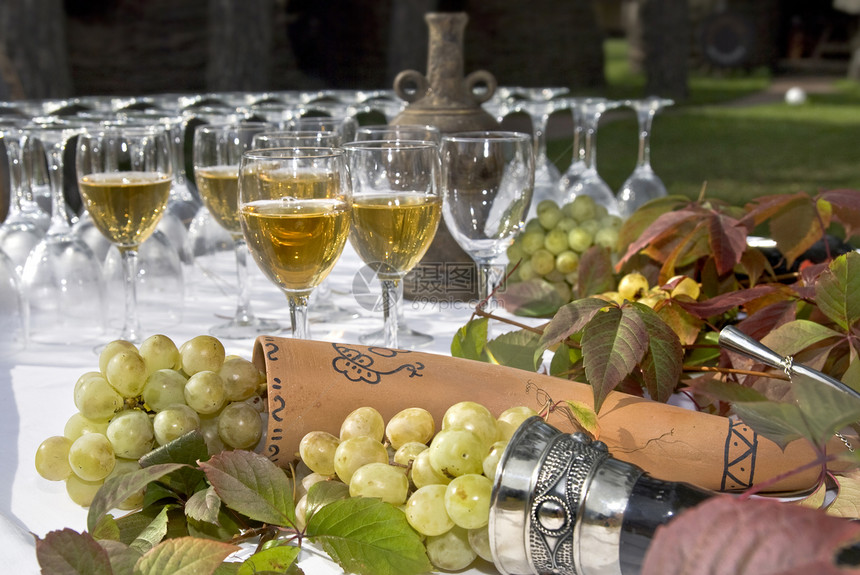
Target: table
[(36, 385)]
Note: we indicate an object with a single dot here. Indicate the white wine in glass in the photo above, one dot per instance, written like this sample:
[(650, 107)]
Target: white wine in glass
[(395, 213), (124, 176), (294, 206)]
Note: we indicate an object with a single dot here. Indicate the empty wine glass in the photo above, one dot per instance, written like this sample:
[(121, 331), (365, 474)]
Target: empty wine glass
[(62, 276), (395, 212), (344, 125), (303, 139), (487, 183), (13, 309), (294, 206), (407, 337), (124, 175), (590, 183), (643, 184), (577, 165), (218, 150)]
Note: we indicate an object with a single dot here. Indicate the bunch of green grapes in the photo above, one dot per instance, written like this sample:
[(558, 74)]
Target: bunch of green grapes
[(553, 241), (142, 398), (442, 481)]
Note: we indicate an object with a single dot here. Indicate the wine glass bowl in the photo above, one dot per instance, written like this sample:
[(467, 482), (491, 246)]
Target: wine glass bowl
[(294, 207), (395, 212), (487, 183)]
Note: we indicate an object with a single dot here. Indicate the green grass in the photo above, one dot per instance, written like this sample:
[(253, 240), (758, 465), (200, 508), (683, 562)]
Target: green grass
[(741, 152)]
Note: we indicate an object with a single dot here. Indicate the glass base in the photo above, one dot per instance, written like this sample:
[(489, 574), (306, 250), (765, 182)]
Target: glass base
[(247, 329), (407, 338)]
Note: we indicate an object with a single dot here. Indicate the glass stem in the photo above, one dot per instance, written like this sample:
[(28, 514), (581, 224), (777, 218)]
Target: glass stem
[(488, 279), (59, 214), (539, 123), (13, 153), (299, 316), (244, 315), (389, 311), (131, 324), (590, 156), (645, 117)]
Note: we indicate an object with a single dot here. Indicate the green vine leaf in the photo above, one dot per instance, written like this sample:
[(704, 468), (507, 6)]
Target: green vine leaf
[(274, 559), (122, 557), (613, 344), (153, 534), (204, 505), (782, 423), (516, 349), (67, 552), (570, 319), (563, 360), (251, 484), (368, 537), (837, 291), (595, 272), (532, 298), (184, 556), (662, 364), (189, 449), (585, 417), (795, 336), (324, 492), (470, 340)]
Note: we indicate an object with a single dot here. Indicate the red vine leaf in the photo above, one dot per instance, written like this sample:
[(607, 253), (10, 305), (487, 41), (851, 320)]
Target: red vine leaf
[(722, 303), (595, 272), (666, 225), (727, 239), (725, 535), (569, 319), (663, 362), (846, 209)]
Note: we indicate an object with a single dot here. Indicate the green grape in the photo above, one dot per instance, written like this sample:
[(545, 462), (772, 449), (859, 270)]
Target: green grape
[(123, 466), (257, 403), (202, 353), (579, 239), (510, 419), (130, 433), (164, 388), (422, 473), (302, 511), (209, 429), (572, 278), (591, 226), (77, 425), (582, 208), (611, 221), (111, 349), (555, 241), (607, 238), (600, 212), (533, 225), (525, 272), (52, 458), (532, 240), (563, 290), (554, 276), (550, 216), (91, 457), (542, 262), (425, 510), (407, 452), (312, 479), (467, 500), (241, 378), (364, 421), (455, 452), (355, 452), (451, 550), (474, 417), (479, 540), (410, 424), (567, 262), (317, 449), (380, 480), (239, 426), (126, 372), (174, 421), (544, 205), (204, 392), (566, 224), (515, 251), (159, 352), (491, 461), (95, 398), (81, 491), (632, 286)]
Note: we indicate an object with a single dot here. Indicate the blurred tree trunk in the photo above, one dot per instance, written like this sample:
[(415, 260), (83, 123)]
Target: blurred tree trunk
[(240, 45), (33, 51), (665, 33)]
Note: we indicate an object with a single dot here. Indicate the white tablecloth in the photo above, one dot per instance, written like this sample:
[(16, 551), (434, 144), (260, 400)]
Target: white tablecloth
[(36, 384)]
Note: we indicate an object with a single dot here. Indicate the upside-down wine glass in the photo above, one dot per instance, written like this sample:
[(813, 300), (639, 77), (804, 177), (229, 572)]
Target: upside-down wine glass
[(487, 183), (218, 150), (124, 175), (590, 183), (396, 209), (407, 337), (643, 184), (62, 276), (577, 165), (294, 206)]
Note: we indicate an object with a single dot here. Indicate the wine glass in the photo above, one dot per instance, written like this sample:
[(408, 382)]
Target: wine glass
[(124, 175), (407, 337), (344, 125), (297, 139), (294, 206), (218, 150), (643, 184), (62, 276), (487, 184), (395, 212), (13, 309), (590, 183), (577, 165)]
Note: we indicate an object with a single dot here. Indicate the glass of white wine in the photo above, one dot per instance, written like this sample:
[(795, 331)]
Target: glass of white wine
[(396, 208), (217, 152), (487, 184), (294, 207), (124, 176)]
